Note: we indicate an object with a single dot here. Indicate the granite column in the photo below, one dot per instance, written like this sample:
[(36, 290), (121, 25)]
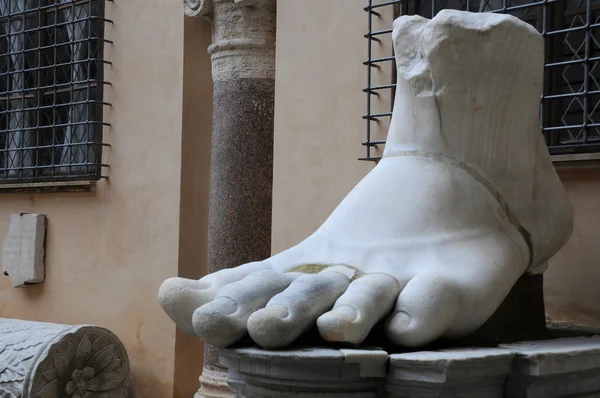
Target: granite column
[(243, 71)]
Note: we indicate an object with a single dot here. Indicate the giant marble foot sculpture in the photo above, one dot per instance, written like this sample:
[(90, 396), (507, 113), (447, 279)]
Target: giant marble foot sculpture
[(464, 201)]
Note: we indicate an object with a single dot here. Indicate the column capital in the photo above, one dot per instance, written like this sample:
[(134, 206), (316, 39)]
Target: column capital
[(204, 8), (198, 8), (243, 36)]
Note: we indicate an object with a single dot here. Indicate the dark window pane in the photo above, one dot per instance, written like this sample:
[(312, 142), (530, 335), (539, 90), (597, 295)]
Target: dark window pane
[(50, 89)]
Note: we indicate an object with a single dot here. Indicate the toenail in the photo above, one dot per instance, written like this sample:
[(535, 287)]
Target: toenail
[(347, 312), (400, 321), (224, 305), (278, 311)]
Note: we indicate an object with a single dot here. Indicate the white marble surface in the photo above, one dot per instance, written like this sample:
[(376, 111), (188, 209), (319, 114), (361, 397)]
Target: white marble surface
[(464, 202)]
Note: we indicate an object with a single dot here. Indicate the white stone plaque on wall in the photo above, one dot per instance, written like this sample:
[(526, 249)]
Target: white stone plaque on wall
[(23, 251)]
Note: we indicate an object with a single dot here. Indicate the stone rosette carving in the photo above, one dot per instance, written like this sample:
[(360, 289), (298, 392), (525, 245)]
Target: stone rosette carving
[(43, 360)]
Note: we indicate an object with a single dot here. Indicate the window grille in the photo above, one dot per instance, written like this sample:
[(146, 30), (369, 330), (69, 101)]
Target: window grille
[(51, 90), (570, 106)]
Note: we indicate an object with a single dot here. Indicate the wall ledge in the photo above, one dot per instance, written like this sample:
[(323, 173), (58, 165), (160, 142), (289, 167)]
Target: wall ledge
[(576, 161), (47, 187)]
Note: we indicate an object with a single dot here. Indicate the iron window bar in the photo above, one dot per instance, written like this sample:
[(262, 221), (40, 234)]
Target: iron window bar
[(570, 104), (51, 90)]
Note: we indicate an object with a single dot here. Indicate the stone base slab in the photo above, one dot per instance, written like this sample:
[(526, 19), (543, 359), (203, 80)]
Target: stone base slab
[(555, 368), (305, 373), (464, 372), (559, 368)]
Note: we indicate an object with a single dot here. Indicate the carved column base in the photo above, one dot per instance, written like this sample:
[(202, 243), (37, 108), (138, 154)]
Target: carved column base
[(213, 384)]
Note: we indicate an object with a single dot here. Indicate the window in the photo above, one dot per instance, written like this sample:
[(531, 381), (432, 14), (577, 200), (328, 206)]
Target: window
[(51, 86), (570, 106)]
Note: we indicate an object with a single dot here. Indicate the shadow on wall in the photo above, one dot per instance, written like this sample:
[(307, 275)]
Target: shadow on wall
[(571, 283)]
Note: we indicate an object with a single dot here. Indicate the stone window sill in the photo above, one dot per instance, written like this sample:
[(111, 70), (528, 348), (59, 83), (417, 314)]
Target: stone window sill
[(580, 160), (48, 187)]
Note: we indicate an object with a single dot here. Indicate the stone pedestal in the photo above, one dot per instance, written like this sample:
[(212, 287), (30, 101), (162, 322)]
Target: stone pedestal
[(464, 372), (305, 373), (243, 71), (45, 360), (561, 368)]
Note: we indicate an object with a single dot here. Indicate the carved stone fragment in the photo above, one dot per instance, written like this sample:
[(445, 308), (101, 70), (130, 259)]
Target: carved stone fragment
[(46, 360)]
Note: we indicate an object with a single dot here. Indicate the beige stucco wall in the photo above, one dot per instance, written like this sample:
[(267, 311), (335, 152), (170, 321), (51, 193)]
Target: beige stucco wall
[(318, 108), (318, 131), (108, 252), (195, 179)]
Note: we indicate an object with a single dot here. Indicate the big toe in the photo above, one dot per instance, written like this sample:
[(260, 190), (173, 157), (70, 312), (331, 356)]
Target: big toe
[(425, 311), (296, 309)]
